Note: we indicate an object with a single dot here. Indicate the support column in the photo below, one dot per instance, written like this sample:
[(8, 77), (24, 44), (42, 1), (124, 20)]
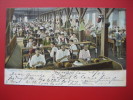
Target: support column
[(104, 34), (54, 21), (81, 32), (67, 20), (45, 17)]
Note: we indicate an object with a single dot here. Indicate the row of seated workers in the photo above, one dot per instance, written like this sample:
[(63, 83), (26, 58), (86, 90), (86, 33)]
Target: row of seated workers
[(45, 29), (43, 44), (38, 36), (64, 54)]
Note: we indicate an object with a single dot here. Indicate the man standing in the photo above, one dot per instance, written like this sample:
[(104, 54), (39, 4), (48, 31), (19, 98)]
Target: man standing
[(118, 38)]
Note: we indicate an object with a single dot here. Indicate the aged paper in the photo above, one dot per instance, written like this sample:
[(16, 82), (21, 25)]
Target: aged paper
[(65, 78)]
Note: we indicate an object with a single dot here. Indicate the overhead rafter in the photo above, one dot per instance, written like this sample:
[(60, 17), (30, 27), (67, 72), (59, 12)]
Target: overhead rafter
[(99, 10), (68, 12), (109, 12), (85, 9), (77, 10)]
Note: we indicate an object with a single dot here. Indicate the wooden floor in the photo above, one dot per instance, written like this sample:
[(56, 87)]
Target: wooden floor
[(15, 60)]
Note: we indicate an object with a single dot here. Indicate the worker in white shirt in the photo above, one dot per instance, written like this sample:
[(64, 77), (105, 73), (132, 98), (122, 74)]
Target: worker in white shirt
[(29, 44), (42, 35), (85, 53), (63, 54), (37, 60), (20, 32), (52, 53), (39, 32), (73, 49), (51, 33), (62, 40), (35, 29), (63, 31), (74, 38), (71, 36)]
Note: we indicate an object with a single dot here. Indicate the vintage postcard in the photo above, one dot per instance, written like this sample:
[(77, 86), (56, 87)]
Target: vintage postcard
[(66, 46)]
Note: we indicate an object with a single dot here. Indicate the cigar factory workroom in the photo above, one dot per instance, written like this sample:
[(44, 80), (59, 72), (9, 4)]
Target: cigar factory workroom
[(66, 38)]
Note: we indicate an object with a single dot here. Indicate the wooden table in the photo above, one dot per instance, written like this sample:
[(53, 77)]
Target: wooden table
[(107, 64)]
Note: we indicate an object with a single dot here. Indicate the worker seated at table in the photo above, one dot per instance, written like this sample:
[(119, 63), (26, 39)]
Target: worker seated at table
[(30, 35), (63, 31), (46, 41), (37, 60), (39, 32), (35, 29), (73, 49), (29, 44), (52, 53), (51, 33), (34, 46), (63, 54), (19, 32), (74, 38), (62, 40), (85, 53), (42, 35), (71, 36)]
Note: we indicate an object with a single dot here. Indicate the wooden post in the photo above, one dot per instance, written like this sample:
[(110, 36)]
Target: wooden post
[(43, 18), (8, 21), (54, 20), (48, 17), (60, 17), (104, 35), (81, 33), (67, 14)]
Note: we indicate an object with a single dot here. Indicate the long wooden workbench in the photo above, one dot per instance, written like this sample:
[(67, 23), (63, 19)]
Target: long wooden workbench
[(106, 64)]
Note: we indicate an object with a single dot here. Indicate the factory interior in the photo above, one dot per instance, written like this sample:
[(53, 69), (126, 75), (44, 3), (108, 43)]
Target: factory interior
[(66, 38)]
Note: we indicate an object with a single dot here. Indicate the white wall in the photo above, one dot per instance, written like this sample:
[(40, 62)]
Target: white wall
[(122, 19)]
